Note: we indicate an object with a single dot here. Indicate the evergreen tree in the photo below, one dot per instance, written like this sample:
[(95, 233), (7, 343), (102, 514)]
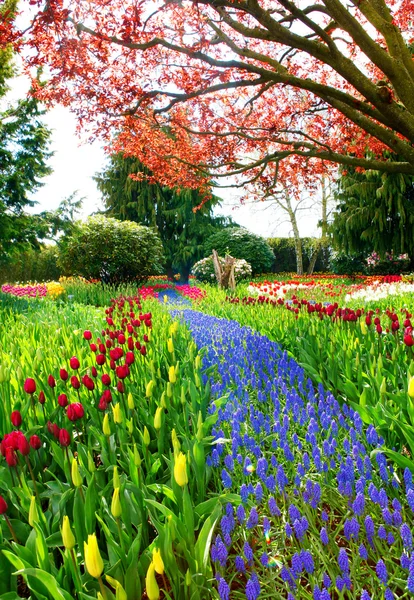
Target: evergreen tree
[(182, 230), (24, 142), (375, 212)]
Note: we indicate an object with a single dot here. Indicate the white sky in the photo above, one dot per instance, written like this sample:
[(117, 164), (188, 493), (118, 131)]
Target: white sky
[(74, 165)]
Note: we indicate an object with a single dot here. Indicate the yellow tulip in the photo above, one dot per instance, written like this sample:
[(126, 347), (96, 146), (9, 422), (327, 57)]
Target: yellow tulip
[(151, 585), (67, 536), (158, 418), (116, 409), (411, 387), (197, 361), (131, 404), (76, 476), (116, 480), (170, 345), (105, 426), (158, 562), (149, 388), (363, 327), (146, 437), (169, 390), (180, 470), (116, 509), (93, 560), (165, 298), (137, 457), (33, 514), (171, 375), (120, 593)]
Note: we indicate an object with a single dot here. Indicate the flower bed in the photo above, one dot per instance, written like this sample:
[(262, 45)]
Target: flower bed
[(37, 290), (321, 513)]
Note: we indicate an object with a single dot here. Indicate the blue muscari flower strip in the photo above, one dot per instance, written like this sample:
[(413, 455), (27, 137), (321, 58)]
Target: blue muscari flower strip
[(269, 401), (381, 571), (388, 595), (223, 589), (239, 564)]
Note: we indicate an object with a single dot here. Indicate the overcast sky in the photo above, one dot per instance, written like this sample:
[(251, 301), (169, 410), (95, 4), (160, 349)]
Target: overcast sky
[(74, 163)]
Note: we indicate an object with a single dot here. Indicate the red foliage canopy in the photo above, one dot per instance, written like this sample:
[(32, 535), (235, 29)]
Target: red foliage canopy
[(260, 89)]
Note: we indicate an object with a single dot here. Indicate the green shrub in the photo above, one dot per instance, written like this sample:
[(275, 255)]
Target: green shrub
[(348, 264), (111, 250), (285, 257), (31, 265), (203, 270), (241, 243)]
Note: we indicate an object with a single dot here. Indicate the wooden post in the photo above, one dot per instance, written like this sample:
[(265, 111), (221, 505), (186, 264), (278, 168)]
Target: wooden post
[(225, 275)]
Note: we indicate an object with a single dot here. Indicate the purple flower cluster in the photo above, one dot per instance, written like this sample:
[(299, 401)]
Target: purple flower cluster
[(319, 507)]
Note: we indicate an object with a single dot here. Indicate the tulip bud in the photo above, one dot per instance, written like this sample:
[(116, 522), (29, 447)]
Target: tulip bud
[(35, 442), (33, 515), (170, 345), (411, 387), (23, 445), (76, 476), (116, 509), (16, 418), (64, 437), (87, 335), (182, 395), (105, 426), (188, 578), (200, 432), (42, 397), (115, 478), (67, 536), (158, 418), (131, 404), (180, 470), (146, 437), (75, 382), (149, 388), (151, 585), (165, 297), (63, 374), (171, 375), (74, 363), (51, 381), (39, 355), (11, 458), (62, 400), (169, 390), (120, 593), (3, 505), (158, 562), (29, 386), (91, 464), (116, 410), (93, 560), (197, 361)]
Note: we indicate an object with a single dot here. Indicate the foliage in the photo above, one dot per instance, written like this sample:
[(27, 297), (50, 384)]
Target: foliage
[(348, 264), (117, 453), (285, 259), (34, 264), (24, 143), (204, 269), (375, 212), (262, 93), (241, 243), (182, 229), (111, 250)]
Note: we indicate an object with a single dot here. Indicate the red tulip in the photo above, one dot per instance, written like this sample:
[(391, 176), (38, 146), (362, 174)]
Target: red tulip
[(75, 382), (103, 404), (107, 394), (120, 387), (143, 350), (29, 386), (63, 374), (146, 339), (94, 372), (75, 411), (87, 335), (395, 325), (64, 437), (16, 418), (121, 339), (74, 363), (122, 371), (50, 427), (42, 397), (408, 339), (3, 505), (93, 347), (129, 358), (35, 442), (51, 381), (24, 446), (100, 359), (88, 382), (11, 457), (56, 431), (106, 380), (62, 400), (102, 348)]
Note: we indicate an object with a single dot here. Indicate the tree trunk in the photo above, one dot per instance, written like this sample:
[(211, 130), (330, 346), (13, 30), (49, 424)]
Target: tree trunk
[(170, 273), (184, 274), (324, 226), (224, 275), (296, 235), (314, 257)]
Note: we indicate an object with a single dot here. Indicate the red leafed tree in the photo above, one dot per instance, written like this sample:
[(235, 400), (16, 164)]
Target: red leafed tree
[(259, 89)]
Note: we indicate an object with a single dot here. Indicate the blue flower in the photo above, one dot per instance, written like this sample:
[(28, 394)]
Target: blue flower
[(253, 519), (223, 589), (406, 536), (226, 479), (248, 552), (253, 588), (381, 571), (324, 536), (239, 564), (343, 561)]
